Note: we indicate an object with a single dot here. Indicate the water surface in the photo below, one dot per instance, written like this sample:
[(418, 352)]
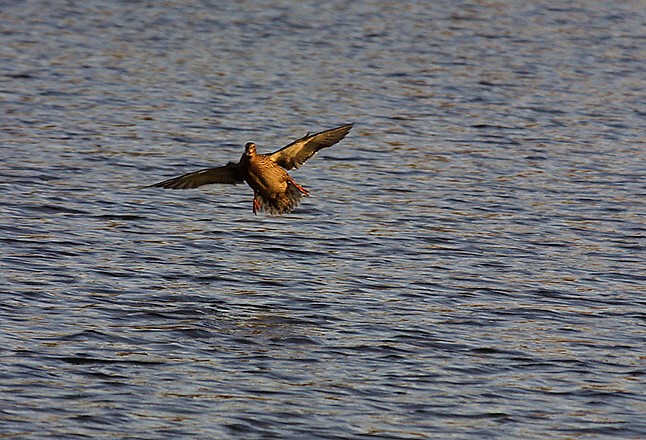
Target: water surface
[(469, 265)]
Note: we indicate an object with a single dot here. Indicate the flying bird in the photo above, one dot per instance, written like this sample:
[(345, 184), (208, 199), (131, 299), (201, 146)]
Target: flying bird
[(274, 190)]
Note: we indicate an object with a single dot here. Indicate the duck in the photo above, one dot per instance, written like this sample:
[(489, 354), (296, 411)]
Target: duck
[(274, 190)]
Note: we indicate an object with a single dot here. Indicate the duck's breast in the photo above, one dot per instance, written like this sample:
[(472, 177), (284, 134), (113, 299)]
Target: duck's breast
[(264, 176)]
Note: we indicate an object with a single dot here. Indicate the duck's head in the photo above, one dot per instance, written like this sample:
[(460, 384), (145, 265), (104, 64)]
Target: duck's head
[(250, 149)]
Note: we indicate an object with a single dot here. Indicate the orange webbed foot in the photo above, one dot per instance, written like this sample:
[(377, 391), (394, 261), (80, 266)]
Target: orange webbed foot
[(298, 187)]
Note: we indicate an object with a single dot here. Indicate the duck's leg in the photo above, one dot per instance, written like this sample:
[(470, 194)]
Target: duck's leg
[(298, 187), (256, 205)]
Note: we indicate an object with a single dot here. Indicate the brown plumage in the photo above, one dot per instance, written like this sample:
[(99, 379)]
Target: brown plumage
[(274, 189)]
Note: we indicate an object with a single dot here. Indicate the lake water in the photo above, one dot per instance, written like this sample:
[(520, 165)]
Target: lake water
[(469, 265)]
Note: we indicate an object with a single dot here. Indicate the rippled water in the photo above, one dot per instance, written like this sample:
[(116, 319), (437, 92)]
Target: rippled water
[(470, 263)]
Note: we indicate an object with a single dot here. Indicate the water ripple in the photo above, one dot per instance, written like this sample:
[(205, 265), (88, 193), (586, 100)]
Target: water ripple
[(469, 264)]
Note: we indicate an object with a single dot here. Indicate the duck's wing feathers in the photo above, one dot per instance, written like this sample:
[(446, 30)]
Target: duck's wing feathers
[(296, 153), (229, 173)]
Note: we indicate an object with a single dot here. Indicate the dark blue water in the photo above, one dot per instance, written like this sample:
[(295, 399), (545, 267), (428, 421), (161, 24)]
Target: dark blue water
[(469, 265)]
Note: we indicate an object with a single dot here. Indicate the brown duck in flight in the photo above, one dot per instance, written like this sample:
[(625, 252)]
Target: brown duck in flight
[(274, 190)]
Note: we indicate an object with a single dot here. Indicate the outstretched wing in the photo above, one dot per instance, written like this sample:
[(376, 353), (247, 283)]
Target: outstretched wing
[(229, 173), (296, 153)]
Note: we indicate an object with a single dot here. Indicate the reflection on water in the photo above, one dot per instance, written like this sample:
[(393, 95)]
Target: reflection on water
[(469, 264)]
